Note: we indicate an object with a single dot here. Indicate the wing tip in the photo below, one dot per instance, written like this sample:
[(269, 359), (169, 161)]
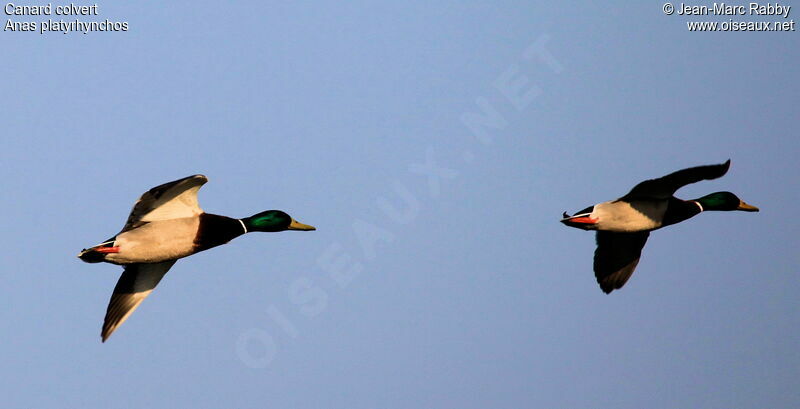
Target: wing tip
[(198, 179), (106, 332), (718, 171), (607, 286)]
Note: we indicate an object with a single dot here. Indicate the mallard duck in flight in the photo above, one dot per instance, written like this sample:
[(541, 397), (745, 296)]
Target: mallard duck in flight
[(166, 224), (623, 225)]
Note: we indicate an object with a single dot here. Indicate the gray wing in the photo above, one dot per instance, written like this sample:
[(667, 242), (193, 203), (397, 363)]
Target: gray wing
[(616, 257), (171, 200), (135, 284), (665, 187)]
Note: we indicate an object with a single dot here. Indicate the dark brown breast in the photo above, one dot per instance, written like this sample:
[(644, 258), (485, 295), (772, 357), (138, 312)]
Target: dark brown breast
[(215, 230), (679, 210)]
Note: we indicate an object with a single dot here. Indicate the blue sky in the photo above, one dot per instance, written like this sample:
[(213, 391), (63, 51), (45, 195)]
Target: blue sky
[(439, 275)]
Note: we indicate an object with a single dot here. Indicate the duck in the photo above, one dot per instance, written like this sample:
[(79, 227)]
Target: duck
[(165, 225), (623, 225)]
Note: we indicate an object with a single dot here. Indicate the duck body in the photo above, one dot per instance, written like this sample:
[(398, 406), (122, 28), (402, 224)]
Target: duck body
[(164, 240), (625, 216), (165, 225), (623, 225)]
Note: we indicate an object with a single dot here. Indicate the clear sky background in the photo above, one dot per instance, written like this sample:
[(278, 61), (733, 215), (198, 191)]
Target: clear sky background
[(464, 289)]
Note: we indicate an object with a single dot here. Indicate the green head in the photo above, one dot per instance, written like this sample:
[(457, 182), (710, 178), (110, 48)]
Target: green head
[(272, 221), (724, 201)]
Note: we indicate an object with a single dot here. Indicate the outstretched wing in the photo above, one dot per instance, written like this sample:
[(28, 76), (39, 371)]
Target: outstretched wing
[(665, 187), (616, 257), (171, 200), (135, 284)]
